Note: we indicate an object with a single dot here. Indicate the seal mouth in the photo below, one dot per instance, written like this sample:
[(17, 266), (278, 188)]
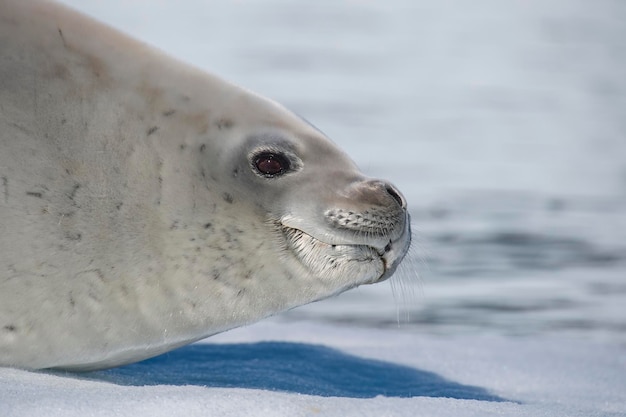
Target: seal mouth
[(361, 262)]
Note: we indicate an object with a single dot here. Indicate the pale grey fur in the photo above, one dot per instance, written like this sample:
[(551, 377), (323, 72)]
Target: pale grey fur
[(132, 219)]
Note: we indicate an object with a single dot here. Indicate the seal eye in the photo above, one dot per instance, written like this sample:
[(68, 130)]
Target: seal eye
[(271, 164)]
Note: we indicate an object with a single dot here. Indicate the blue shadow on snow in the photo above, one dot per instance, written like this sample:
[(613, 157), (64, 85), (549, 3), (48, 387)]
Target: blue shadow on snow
[(288, 367)]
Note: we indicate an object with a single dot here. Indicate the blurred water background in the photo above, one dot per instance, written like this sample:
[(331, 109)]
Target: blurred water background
[(502, 121)]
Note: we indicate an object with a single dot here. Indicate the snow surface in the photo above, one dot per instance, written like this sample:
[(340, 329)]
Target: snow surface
[(306, 369), (502, 121)]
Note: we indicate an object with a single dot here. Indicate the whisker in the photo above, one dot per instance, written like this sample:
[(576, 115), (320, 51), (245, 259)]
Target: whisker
[(407, 284)]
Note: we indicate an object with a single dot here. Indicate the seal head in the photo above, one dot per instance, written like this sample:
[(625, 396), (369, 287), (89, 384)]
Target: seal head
[(331, 221)]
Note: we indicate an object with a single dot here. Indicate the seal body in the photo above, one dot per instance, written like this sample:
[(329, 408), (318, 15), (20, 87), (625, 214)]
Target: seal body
[(145, 204)]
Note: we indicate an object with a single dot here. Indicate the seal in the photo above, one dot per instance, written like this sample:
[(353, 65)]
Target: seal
[(146, 204)]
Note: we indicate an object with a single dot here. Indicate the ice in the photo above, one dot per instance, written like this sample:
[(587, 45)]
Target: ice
[(291, 369)]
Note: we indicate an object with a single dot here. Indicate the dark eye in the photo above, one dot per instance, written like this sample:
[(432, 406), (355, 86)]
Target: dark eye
[(271, 164)]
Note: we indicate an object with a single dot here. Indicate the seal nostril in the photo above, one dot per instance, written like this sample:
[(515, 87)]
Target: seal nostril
[(396, 195)]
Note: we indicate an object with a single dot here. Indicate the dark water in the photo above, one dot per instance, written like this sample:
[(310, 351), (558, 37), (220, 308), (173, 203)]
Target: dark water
[(502, 121)]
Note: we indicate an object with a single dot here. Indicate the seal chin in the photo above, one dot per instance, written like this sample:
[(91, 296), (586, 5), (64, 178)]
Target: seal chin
[(396, 250), (360, 263)]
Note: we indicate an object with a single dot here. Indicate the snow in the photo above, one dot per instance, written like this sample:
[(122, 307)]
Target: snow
[(502, 122), (290, 369)]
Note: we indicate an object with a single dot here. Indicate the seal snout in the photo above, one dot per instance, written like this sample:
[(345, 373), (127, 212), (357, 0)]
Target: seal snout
[(377, 193), (372, 211)]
